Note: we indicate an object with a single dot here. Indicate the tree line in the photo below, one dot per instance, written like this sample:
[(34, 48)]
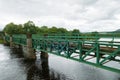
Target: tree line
[(30, 27)]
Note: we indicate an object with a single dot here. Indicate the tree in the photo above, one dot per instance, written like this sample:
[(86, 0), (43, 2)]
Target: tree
[(29, 27), (75, 32), (62, 30), (19, 29), (12, 28), (95, 33), (44, 29), (53, 30)]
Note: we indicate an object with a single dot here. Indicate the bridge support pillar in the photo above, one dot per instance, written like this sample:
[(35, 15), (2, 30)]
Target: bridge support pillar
[(11, 42), (45, 66), (30, 53), (4, 41), (44, 55)]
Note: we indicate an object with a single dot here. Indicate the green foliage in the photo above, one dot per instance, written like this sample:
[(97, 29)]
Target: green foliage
[(1, 41), (53, 30), (95, 33), (29, 27), (75, 32), (12, 28), (62, 30), (44, 29)]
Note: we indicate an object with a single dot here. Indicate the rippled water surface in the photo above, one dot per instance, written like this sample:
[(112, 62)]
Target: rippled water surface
[(13, 66)]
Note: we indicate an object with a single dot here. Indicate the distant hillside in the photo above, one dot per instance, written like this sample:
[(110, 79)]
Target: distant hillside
[(117, 30)]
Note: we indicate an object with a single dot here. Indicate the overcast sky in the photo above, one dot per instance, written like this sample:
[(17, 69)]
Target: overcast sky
[(85, 15)]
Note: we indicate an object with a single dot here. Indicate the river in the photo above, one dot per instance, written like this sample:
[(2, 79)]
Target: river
[(13, 66)]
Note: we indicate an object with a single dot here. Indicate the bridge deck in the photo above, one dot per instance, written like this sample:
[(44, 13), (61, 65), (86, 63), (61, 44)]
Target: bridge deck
[(103, 50)]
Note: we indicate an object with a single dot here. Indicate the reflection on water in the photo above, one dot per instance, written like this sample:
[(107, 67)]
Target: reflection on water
[(14, 67), (40, 70)]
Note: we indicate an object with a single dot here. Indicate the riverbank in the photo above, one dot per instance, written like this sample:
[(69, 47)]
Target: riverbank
[(1, 41)]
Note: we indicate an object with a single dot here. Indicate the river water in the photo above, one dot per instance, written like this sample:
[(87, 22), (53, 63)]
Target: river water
[(13, 66)]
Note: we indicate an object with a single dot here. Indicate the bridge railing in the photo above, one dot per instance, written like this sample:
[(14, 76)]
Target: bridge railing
[(19, 39), (111, 37), (7, 38), (82, 36)]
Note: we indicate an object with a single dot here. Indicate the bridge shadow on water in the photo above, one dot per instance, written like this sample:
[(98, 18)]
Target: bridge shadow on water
[(38, 69)]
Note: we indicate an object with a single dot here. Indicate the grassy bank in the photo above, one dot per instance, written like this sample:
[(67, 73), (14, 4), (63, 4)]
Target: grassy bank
[(1, 41)]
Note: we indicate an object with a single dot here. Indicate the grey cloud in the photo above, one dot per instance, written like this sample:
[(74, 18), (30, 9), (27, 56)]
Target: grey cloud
[(86, 15), (89, 2)]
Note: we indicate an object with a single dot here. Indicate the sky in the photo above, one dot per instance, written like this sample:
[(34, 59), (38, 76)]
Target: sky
[(85, 15)]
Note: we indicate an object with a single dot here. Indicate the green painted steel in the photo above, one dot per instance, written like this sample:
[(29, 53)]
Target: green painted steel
[(94, 49), (19, 39), (7, 38)]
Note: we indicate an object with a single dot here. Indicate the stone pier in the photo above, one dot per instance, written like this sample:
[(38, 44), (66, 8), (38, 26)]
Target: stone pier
[(45, 66), (11, 42), (5, 42), (30, 52), (44, 55)]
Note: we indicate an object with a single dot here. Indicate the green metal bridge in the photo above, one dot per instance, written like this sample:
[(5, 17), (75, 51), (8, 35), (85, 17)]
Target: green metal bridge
[(98, 49)]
